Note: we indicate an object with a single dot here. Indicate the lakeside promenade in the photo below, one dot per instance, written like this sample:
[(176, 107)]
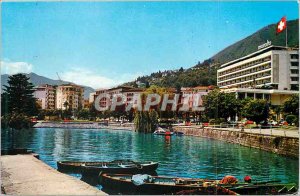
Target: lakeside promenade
[(130, 126), (27, 175), (270, 132)]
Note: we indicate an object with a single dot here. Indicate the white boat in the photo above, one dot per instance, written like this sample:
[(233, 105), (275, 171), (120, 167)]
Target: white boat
[(161, 131)]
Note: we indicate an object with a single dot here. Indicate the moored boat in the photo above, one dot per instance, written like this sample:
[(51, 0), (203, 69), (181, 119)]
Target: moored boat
[(150, 185), (161, 131), (119, 167), (146, 184), (76, 166)]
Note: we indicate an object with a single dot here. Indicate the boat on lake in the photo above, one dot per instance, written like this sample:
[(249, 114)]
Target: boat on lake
[(152, 185), (126, 167), (79, 166), (162, 131)]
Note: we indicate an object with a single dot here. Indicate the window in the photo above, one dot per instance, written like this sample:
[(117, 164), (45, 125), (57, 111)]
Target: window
[(294, 71), (295, 64), (294, 56), (294, 78)]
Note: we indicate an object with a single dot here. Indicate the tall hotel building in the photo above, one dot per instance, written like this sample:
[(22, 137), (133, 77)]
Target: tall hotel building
[(70, 94), (271, 73), (45, 95)]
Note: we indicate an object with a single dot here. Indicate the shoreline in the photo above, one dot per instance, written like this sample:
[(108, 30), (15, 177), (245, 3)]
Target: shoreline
[(84, 125), (276, 142), (27, 175)]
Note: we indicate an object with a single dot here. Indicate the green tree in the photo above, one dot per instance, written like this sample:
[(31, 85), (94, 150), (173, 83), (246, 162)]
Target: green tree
[(256, 110), (291, 105), (83, 114), (19, 95), (220, 105), (145, 122), (18, 102)]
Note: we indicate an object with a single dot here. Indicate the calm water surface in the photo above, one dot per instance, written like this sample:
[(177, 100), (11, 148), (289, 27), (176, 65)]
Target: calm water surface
[(183, 156)]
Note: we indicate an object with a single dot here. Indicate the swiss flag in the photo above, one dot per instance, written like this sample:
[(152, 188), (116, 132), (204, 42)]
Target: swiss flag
[(281, 25)]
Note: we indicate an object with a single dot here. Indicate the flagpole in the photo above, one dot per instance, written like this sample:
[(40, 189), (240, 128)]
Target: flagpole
[(286, 35)]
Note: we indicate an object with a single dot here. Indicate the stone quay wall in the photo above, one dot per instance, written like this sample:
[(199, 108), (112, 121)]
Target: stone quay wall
[(283, 145)]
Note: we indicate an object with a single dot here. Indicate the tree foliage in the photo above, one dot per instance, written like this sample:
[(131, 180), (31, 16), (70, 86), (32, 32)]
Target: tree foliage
[(199, 75), (256, 110), (18, 103), (220, 105), (145, 122), (18, 95), (291, 105)]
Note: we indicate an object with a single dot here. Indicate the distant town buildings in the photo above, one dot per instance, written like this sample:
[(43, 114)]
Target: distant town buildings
[(128, 91), (191, 93), (271, 73), (69, 96), (60, 97), (45, 95)]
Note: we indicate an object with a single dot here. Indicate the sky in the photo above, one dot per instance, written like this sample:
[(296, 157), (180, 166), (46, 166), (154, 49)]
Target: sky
[(104, 44)]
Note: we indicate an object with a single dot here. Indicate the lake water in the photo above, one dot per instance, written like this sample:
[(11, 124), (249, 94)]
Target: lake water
[(183, 156)]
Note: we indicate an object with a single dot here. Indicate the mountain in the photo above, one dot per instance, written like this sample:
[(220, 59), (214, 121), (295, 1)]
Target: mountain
[(37, 80), (205, 73), (250, 43)]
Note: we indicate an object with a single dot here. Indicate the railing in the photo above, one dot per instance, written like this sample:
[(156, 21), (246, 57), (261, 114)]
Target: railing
[(271, 131)]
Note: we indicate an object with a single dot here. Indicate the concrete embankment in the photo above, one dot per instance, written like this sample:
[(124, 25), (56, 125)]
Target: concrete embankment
[(26, 175), (84, 125), (283, 145)]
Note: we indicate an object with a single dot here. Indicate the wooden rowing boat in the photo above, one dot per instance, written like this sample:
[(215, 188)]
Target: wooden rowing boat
[(119, 167), (124, 184), (94, 168)]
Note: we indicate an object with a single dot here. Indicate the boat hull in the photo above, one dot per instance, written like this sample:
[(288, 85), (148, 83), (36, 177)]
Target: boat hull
[(128, 187), (122, 184), (136, 169)]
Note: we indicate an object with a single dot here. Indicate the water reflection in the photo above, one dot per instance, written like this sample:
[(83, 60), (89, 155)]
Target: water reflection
[(178, 156)]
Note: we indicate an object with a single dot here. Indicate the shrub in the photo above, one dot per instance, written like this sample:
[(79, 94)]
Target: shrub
[(291, 119)]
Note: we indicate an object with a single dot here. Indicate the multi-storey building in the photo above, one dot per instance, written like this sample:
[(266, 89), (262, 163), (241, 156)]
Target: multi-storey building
[(128, 91), (69, 96), (271, 73), (191, 94), (45, 95)]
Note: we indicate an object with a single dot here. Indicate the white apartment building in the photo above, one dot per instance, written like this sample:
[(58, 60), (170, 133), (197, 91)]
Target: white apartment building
[(45, 95), (271, 73), (69, 96)]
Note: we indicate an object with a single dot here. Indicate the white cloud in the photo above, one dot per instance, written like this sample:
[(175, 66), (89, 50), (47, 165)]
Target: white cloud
[(8, 67), (83, 76)]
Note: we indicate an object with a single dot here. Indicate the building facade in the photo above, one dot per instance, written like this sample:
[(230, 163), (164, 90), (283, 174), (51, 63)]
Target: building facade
[(69, 96), (271, 73), (45, 95), (193, 98), (128, 91)]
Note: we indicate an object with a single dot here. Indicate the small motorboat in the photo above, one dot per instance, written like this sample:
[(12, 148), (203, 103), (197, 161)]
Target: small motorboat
[(161, 131), (146, 184), (118, 167)]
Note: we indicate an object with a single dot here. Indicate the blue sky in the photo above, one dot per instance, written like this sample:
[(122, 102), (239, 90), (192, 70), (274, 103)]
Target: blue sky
[(102, 44)]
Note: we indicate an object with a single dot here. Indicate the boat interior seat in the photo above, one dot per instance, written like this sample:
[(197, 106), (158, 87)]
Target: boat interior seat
[(283, 190), (292, 189)]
